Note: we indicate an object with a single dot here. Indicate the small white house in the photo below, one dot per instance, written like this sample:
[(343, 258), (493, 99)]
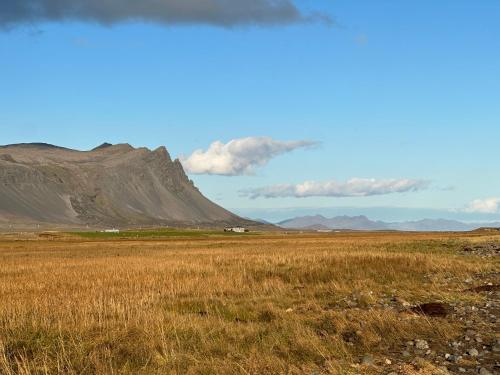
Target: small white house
[(112, 231), (236, 230)]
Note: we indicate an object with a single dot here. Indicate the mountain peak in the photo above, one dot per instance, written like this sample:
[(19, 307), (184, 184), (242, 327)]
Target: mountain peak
[(163, 153), (102, 146)]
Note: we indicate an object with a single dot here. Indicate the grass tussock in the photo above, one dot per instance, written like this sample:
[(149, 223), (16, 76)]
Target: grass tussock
[(269, 304)]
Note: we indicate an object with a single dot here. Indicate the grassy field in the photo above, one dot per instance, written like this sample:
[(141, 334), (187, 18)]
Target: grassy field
[(156, 233), (266, 304)]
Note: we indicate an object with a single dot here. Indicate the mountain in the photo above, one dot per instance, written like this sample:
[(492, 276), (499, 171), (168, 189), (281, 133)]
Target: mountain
[(429, 225), (363, 223), (116, 185), (338, 222), (262, 221)]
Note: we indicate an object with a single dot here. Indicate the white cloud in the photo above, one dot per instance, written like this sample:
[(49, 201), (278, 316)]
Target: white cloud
[(485, 206), (356, 187), (239, 156)]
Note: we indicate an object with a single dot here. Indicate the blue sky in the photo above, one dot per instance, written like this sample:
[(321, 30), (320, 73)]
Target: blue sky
[(390, 90)]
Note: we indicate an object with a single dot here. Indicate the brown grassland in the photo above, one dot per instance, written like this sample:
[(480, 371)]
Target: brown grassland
[(260, 304)]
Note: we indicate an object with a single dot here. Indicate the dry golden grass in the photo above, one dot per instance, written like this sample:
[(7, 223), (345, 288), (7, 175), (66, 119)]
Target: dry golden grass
[(268, 304)]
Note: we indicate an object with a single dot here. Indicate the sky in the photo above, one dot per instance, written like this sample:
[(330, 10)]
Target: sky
[(275, 108)]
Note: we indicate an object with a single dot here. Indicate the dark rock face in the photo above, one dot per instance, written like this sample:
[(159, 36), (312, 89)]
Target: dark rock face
[(111, 185)]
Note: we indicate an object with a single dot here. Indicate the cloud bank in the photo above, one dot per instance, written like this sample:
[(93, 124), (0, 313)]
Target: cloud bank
[(225, 13), (239, 156), (356, 187), (484, 206)]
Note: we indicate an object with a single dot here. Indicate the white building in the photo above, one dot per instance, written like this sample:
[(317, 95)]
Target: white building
[(236, 230)]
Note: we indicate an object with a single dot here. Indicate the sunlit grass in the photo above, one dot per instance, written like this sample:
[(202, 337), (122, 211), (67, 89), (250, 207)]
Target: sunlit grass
[(267, 304)]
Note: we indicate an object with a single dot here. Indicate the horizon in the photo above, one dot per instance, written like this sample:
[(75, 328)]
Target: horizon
[(384, 110), (277, 215)]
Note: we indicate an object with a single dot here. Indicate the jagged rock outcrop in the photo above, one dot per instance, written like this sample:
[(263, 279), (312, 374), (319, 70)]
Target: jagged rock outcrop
[(109, 185)]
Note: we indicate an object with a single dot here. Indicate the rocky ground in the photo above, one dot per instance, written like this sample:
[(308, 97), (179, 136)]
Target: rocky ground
[(485, 250), (476, 351)]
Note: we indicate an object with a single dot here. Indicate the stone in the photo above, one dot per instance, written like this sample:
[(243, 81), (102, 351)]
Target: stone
[(436, 309), (484, 371), (367, 360), (473, 352), (453, 358), (421, 345), (456, 344)]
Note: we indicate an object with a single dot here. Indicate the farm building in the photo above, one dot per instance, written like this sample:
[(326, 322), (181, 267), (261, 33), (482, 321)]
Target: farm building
[(236, 229)]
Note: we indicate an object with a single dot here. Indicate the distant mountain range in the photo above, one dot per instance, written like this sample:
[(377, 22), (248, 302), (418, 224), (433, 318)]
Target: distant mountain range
[(320, 222)]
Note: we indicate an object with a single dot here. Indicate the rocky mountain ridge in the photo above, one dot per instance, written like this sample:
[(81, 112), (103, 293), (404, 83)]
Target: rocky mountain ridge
[(110, 185)]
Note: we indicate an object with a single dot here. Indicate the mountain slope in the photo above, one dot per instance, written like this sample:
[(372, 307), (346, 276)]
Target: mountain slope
[(112, 185)]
